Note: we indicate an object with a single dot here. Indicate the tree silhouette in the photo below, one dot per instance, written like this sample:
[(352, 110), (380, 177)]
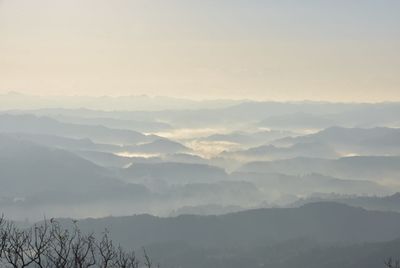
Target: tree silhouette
[(390, 263), (50, 245)]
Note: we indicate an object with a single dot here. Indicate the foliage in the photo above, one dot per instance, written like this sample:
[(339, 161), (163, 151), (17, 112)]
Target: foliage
[(49, 245)]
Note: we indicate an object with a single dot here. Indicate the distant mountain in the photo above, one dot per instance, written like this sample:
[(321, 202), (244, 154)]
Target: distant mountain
[(300, 120), (377, 168), (211, 209), (224, 193), (323, 222), (342, 114), (185, 113), (116, 123), (261, 110), (351, 141), (68, 144), (44, 125), (159, 146), (272, 152), (299, 185), (15, 100), (329, 143), (185, 158), (385, 203), (34, 177), (172, 173), (367, 255), (27, 167), (105, 155), (300, 253), (105, 159), (250, 138)]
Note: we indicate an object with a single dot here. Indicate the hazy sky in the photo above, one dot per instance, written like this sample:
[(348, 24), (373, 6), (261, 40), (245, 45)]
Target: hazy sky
[(282, 49)]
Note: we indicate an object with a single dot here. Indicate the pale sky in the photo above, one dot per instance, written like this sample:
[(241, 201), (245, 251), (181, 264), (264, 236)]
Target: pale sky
[(337, 50)]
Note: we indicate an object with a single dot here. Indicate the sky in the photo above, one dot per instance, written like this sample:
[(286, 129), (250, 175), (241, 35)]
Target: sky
[(338, 50)]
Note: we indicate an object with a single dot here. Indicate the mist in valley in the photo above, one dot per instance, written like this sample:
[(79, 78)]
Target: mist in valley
[(237, 192)]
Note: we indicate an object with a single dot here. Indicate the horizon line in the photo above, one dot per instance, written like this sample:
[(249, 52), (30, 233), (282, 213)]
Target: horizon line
[(186, 98)]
